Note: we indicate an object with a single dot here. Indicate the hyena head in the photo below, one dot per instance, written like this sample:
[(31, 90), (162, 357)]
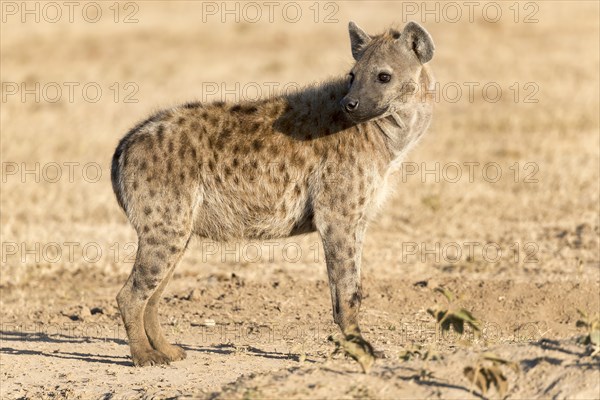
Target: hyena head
[(387, 69)]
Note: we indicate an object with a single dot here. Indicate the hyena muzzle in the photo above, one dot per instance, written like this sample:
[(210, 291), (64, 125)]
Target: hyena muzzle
[(317, 160)]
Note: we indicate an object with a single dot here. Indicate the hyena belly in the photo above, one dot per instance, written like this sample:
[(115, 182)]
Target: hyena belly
[(256, 201), (186, 165)]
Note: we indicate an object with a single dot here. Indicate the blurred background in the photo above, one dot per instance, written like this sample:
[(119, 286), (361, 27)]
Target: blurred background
[(522, 95)]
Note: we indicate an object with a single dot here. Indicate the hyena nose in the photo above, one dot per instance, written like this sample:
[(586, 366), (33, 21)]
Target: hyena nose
[(350, 104)]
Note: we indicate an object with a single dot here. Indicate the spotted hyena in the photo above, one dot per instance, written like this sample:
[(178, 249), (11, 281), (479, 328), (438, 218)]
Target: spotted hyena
[(317, 160)]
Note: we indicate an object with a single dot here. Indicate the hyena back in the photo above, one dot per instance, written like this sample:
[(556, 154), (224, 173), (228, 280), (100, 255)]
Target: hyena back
[(314, 160)]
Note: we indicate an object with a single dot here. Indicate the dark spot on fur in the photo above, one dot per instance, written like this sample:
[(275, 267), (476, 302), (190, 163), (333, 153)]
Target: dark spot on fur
[(147, 210), (235, 163), (256, 145), (171, 146), (169, 166), (143, 165), (192, 104), (355, 300), (136, 283), (180, 121), (219, 103), (155, 270), (152, 240), (160, 133), (173, 249), (151, 283), (146, 229)]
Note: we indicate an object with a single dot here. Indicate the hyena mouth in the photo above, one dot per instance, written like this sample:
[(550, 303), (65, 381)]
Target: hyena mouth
[(359, 119)]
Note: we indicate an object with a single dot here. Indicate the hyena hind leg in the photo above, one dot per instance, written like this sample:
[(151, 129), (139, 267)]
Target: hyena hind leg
[(154, 262), (152, 325)]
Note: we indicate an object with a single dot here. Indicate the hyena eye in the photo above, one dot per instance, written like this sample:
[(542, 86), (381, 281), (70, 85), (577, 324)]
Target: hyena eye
[(384, 77), (350, 78)]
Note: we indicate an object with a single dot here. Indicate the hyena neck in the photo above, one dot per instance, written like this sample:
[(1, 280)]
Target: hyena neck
[(315, 110)]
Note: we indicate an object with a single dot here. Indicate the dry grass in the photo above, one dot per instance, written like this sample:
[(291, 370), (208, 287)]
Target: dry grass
[(169, 61)]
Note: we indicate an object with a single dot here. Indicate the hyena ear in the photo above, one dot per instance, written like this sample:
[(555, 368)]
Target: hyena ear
[(358, 40), (418, 40)]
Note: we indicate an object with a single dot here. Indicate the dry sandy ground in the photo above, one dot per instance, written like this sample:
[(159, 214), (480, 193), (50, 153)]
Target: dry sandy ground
[(528, 240)]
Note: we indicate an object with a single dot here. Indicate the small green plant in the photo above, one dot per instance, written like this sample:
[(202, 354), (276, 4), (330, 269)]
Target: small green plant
[(487, 372), (455, 317), (592, 326)]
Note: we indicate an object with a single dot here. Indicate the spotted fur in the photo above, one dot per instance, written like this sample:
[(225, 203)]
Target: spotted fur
[(272, 168)]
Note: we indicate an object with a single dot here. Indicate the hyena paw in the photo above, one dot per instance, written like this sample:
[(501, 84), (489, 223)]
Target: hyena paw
[(175, 353), (150, 357), (359, 349)]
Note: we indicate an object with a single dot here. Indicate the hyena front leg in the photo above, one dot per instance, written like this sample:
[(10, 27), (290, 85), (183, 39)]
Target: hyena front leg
[(156, 257), (342, 243)]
